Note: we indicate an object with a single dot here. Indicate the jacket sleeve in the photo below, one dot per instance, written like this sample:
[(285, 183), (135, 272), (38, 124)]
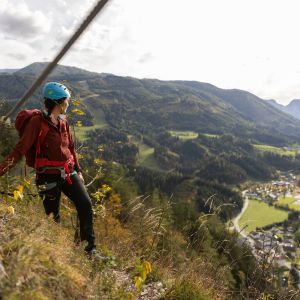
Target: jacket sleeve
[(28, 138), (72, 150)]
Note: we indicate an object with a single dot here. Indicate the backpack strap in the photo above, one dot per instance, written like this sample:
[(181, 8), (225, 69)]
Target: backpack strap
[(43, 132)]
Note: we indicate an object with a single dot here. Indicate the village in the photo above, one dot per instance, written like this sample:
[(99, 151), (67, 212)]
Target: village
[(278, 242)]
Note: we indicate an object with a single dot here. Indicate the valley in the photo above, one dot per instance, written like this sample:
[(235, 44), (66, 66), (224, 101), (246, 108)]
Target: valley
[(185, 148), (269, 223)]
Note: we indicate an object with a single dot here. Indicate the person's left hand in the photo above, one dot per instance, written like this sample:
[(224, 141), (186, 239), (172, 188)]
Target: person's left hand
[(81, 177)]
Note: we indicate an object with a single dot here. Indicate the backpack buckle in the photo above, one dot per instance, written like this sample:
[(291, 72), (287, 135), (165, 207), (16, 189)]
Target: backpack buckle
[(46, 186), (63, 174)]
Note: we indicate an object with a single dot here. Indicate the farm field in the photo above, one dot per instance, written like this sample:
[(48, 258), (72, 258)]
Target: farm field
[(259, 214), (184, 135), (277, 150), (290, 202), (190, 135), (211, 135)]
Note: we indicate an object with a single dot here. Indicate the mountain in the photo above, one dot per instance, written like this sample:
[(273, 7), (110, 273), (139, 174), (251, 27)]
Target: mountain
[(179, 105), (37, 68), (276, 104), (293, 108), (9, 71)]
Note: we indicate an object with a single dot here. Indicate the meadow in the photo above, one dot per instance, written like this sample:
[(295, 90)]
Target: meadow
[(190, 135), (184, 135), (259, 214), (146, 154), (277, 150), (81, 131)]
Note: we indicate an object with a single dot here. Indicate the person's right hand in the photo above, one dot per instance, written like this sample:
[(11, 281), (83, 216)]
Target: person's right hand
[(81, 177)]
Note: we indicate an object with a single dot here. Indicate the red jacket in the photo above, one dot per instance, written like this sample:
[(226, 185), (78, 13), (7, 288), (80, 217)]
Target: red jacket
[(57, 146)]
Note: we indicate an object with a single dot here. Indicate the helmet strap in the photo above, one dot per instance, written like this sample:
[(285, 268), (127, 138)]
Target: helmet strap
[(61, 108)]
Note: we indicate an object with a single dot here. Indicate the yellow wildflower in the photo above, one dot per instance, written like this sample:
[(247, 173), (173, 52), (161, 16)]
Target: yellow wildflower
[(10, 210)]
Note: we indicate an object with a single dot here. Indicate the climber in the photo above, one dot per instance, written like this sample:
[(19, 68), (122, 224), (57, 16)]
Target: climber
[(47, 143)]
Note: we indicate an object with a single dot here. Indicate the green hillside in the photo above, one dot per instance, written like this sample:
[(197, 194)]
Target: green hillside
[(176, 105), (193, 128), (174, 156)]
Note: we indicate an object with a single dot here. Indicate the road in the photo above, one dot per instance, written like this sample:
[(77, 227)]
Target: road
[(237, 218), (244, 235)]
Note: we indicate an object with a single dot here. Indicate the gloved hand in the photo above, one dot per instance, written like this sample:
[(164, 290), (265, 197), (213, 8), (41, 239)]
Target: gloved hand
[(7, 121), (81, 177)]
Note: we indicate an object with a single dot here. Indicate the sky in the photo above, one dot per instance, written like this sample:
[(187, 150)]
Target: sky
[(252, 45)]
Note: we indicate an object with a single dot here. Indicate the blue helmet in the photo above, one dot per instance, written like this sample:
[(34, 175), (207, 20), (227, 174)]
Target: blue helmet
[(55, 91)]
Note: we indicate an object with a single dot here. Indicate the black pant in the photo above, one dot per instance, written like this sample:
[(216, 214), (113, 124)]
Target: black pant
[(77, 193)]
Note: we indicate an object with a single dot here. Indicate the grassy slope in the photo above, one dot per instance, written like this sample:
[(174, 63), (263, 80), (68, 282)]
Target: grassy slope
[(146, 154), (98, 114), (39, 260), (42, 262), (99, 122), (259, 214)]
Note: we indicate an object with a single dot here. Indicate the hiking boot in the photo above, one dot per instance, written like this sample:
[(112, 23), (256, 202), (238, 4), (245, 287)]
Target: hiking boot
[(94, 255)]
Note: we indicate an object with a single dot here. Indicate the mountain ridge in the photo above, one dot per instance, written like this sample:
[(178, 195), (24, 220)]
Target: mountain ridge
[(293, 108), (177, 104)]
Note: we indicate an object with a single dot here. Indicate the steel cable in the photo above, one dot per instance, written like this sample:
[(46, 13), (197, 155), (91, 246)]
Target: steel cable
[(53, 64)]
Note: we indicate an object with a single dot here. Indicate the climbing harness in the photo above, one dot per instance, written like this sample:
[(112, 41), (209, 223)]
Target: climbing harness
[(51, 185), (63, 166)]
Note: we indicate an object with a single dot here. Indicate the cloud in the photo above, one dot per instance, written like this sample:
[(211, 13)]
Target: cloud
[(17, 21), (163, 39), (17, 56), (12, 50), (146, 57)]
